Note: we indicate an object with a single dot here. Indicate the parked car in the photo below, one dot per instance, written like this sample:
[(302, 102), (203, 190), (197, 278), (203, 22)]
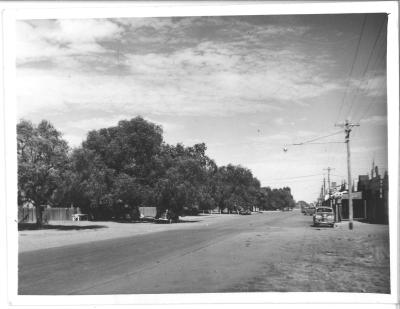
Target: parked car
[(166, 217), (324, 216), (310, 211), (245, 212)]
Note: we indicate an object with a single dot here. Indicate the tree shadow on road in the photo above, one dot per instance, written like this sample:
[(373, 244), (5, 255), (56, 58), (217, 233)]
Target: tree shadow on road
[(188, 221), (322, 227), (33, 226)]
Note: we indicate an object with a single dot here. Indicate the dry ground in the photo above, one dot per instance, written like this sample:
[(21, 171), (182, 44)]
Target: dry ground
[(269, 252), (63, 233)]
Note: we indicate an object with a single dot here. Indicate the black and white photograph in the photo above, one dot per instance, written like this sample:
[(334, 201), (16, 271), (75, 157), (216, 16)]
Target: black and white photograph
[(231, 154)]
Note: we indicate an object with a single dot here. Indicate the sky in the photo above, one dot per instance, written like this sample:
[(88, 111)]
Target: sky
[(247, 86)]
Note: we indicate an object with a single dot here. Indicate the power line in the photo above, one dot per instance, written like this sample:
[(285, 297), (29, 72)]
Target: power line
[(289, 178), (338, 175), (316, 138), (369, 106), (366, 111), (352, 66), (325, 143), (348, 78), (368, 63), (379, 58)]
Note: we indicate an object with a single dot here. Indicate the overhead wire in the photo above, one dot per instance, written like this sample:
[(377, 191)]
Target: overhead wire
[(378, 59), (291, 178), (352, 66), (330, 156), (373, 52), (316, 138), (370, 103), (323, 143), (367, 66)]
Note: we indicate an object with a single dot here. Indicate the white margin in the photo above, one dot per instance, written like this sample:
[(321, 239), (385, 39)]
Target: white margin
[(43, 10)]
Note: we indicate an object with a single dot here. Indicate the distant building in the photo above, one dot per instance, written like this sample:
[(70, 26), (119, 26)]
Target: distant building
[(370, 202), (375, 194)]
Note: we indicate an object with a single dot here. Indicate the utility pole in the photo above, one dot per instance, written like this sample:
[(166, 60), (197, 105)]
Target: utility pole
[(329, 188), (321, 196), (329, 178), (347, 129)]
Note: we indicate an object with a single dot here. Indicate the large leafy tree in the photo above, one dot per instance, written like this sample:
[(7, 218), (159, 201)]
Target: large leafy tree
[(281, 198), (182, 183), (235, 188), (42, 160), (128, 147), (118, 166), (92, 184)]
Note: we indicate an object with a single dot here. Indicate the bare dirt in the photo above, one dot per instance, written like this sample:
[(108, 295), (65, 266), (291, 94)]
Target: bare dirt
[(64, 233), (269, 252)]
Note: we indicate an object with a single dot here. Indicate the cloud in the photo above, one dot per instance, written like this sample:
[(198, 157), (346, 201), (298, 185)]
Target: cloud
[(167, 126), (370, 86), (279, 121), (370, 149), (375, 120), (233, 74), (96, 123), (74, 140), (74, 62), (284, 137), (48, 39), (194, 81)]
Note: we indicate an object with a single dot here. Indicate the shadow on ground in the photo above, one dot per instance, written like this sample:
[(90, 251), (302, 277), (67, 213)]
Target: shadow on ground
[(188, 221), (32, 226), (321, 227)]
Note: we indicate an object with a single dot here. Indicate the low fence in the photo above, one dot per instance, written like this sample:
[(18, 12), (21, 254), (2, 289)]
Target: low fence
[(148, 211), (28, 215)]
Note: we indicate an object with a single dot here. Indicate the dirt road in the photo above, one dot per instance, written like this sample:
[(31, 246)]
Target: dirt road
[(276, 251)]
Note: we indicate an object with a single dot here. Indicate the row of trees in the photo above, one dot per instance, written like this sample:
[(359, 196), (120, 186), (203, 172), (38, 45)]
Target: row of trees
[(128, 166)]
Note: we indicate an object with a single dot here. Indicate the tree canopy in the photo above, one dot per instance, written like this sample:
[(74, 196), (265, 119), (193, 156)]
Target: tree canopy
[(42, 160), (118, 169)]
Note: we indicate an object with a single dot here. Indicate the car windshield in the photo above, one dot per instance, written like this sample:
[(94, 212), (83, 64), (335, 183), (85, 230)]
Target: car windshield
[(324, 209)]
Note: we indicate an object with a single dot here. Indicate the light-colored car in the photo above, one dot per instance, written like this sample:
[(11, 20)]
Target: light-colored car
[(324, 216)]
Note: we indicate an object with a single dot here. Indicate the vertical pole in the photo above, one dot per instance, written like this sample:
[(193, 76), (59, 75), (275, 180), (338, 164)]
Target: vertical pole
[(336, 211), (348, 130), (365, 209), (329, 192), (329, 169), (329, 187), (329, 181)]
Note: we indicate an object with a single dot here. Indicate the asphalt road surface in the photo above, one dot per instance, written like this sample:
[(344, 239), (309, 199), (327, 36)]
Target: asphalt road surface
[(276, 251)]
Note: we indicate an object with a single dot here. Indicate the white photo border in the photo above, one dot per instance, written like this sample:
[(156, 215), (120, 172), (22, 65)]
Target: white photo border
[(54, 10)]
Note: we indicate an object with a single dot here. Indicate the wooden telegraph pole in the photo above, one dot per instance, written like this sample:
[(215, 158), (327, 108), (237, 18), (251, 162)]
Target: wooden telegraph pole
[(329, 169), (347, 129)]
